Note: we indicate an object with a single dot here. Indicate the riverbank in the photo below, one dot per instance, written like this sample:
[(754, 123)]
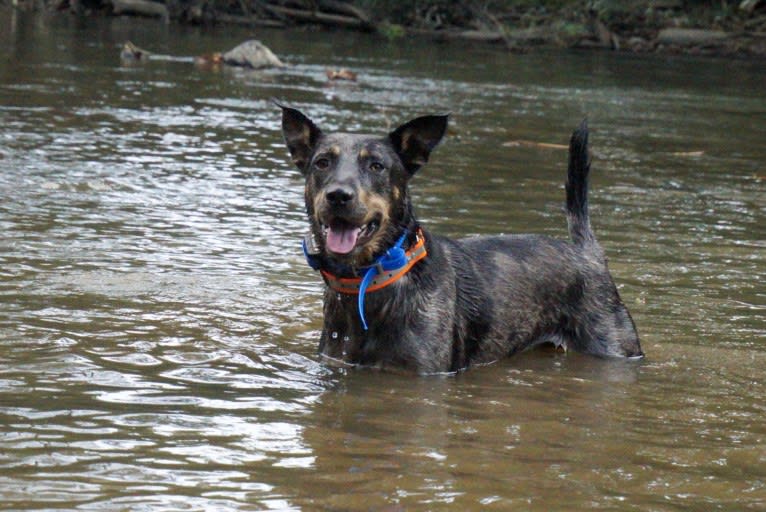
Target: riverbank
[(732, 28)]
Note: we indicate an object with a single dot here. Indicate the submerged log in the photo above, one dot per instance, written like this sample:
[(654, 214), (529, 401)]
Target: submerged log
[(209, 60), (131, 52), (341, 74)]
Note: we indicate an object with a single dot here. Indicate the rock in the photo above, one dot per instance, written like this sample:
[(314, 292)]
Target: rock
[(252, 54)]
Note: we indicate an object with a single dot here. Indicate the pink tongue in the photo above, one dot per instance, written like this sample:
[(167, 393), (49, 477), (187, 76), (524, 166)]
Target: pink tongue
[(341, 240)]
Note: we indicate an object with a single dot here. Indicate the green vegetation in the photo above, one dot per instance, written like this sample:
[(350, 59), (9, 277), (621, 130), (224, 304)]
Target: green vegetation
[(393, 30)]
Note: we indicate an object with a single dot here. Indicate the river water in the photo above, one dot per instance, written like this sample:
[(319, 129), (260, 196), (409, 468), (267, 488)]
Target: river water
[(158, 324)]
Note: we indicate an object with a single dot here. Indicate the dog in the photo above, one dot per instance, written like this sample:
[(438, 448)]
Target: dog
[(402, 298)]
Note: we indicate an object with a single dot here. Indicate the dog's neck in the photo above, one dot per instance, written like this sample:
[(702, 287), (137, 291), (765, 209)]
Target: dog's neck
[(385, 270), (326, 264)]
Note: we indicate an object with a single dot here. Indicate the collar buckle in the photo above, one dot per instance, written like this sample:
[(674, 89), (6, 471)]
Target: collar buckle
[(311, 251)]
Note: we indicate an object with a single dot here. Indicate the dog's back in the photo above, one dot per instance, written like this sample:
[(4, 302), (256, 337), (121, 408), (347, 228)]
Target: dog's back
[(538, 289)]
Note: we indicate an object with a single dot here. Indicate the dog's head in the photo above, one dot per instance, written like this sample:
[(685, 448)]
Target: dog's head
[(356, 185)]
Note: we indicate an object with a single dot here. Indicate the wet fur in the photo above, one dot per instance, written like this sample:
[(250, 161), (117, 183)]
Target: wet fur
[(469, 301)]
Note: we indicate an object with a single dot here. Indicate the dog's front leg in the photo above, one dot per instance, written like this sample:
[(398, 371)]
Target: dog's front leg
[(329, 347), (342, 337)]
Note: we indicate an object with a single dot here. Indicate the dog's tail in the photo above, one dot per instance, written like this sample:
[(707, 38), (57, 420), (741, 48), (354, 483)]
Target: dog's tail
[(577, 187)]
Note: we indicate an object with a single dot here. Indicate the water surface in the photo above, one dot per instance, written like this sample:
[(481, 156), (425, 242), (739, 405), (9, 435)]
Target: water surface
[(158, 325)]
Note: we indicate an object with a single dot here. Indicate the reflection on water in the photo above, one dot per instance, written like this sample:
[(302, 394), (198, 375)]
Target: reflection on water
[(158, 324)]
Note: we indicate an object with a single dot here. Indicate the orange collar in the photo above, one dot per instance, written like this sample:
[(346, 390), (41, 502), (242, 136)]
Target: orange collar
[(385, 276)]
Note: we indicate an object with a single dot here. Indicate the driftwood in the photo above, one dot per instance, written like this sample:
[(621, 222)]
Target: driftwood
[(316, 16), (487, 36), (604, 37), (57, 5), (533, 144), (140, 7), (750, 5), (341, 74), (131, 52), (262, 13), (486, 19), (688, 153), (755, 22), (347, 9), (522, 36), (691, 36), (250, 21)]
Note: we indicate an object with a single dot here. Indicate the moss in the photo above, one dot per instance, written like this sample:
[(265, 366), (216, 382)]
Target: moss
[(392, 31), (570, 29)]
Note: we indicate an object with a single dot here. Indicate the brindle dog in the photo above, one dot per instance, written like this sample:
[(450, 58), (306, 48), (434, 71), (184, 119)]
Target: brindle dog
[(443, 305)]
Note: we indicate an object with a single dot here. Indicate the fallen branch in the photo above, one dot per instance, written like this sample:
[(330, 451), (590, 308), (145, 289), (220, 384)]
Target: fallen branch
[(527, 36), (251, 21), (346, 9), (341, 74), (140, 7), (306, 16), (690, 36), (749, 5), (604, 38), (131, 52), (489, 36), (533, 144), (484, 14), (57, 5), (754, 22)]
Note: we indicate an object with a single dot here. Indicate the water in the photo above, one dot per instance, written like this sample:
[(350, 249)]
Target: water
[(158, 325)]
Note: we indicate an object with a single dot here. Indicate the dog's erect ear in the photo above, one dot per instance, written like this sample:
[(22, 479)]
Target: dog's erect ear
[(415, 140), (301, 135)]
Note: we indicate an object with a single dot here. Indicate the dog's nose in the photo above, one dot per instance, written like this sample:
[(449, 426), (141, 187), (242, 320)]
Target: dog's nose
[(340, 196)]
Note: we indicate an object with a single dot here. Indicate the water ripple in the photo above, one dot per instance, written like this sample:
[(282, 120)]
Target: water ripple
[(159, 325)]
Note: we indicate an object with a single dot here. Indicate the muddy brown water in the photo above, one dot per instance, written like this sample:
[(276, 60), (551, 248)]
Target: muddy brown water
[(158, 325)]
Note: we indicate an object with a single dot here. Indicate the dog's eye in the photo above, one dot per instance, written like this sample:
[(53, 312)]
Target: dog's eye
[(322, 163), (377, 167)]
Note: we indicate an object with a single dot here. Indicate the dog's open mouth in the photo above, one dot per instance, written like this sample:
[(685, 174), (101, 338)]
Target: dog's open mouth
[(342, 236)]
